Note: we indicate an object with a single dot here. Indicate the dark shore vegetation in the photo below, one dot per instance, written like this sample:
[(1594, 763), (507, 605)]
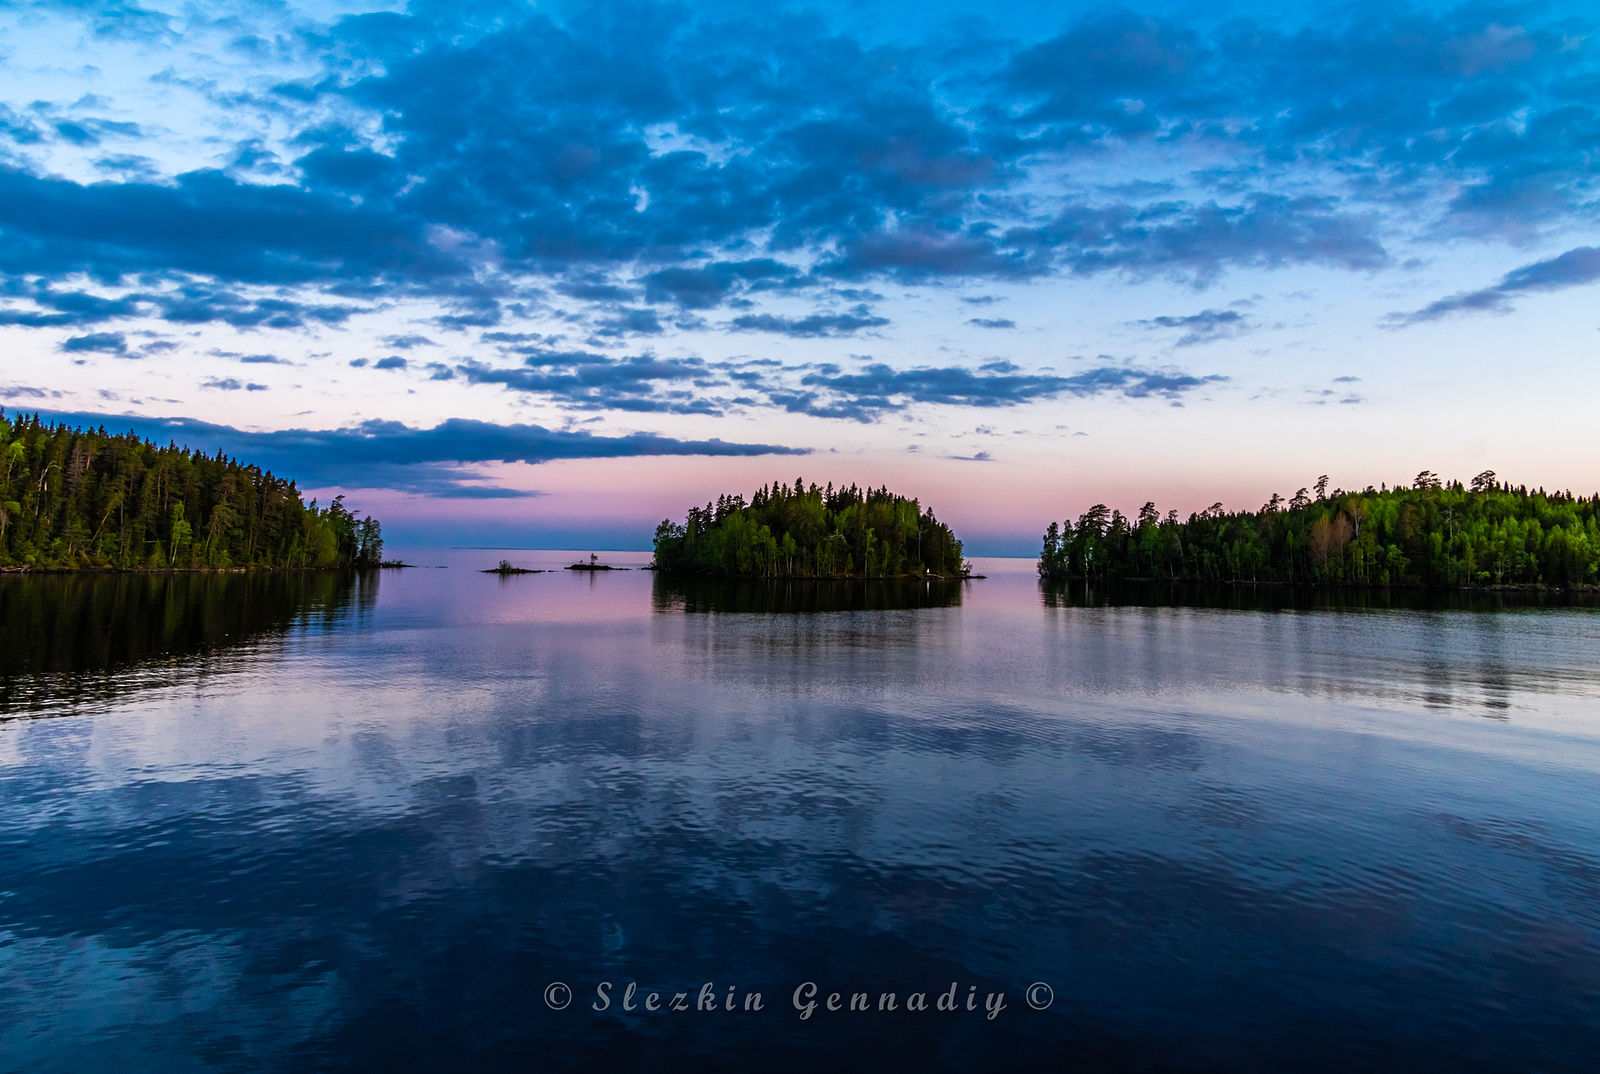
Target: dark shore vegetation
[(795, 531), (1433, 534), (87, 499)]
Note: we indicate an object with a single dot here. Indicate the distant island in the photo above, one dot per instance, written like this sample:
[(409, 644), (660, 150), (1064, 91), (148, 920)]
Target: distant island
[(1433, 534), (811, 532), (505, 567), (594, 564), (86, 499)]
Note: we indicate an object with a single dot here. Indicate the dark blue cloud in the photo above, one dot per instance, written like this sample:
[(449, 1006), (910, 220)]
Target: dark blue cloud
[(386, 454), (814, 326), (1575, 268), (54, 308), (916, 255), (597, 290), (97, 342), (208, 224), (1198, 241), (630, 322), (638, 383), (251, 359), (528, 130), (620, 167), (706, 286), (875, 389), (527, 133), (992, 322), (1475, 99), (188, 303), (91, 132), (1202, 327), (408, 342), (195, 303)]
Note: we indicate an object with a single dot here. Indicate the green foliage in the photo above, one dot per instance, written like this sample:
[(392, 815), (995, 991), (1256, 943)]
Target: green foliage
[(799, 532), (1431, 534), (1428, 535), (74, 498)]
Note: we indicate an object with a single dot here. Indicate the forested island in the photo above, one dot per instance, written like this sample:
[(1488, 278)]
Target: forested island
[(811, 532), (1434, 534), (73, 499)]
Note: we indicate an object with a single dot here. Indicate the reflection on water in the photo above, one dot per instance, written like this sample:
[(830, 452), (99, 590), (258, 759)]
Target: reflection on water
[(687, 593), (77, 637), (1228, 839), (1082, 593)]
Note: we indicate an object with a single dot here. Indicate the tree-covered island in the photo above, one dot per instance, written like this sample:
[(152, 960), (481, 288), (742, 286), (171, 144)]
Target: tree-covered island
[(796, 531), (1433, 534), (73, 499)]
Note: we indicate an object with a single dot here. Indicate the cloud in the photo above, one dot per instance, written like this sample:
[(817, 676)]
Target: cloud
[(614, 172), (25, 391), (706, 286), (230, 384), (67, 308), (408, 342), (1202, 327), (630, 322), (1198, 241), (1137, 383), (811, 327), (919, 255), (641, 383), (394, 361), (188, 303), (98, 342), (209, 224), (876, 389), (519, 147), (1574, 268), (386, 454)]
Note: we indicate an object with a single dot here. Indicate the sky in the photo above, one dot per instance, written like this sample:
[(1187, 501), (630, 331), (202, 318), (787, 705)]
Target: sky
[(511, 273)]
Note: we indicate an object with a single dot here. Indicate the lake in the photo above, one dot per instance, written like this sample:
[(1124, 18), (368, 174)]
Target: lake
[(436, 819)]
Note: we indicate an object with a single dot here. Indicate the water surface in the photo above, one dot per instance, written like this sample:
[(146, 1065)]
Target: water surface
[(305, 822)]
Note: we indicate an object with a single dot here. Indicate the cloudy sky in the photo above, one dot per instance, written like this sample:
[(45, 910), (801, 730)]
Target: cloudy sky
[(550, 273)]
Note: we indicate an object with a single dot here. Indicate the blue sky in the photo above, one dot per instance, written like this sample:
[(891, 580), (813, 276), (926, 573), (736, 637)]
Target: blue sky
[(550, 273)]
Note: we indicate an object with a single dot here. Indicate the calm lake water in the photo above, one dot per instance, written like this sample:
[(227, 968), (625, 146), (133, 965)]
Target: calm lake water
[(309, 822)]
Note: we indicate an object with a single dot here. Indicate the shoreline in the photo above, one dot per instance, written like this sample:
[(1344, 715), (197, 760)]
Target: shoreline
[(198, 570), (1510, 587), (815, 577)]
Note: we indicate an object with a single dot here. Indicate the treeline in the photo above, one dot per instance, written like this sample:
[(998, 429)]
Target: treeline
[(1434, 534), (84, 498), (800, 532)]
